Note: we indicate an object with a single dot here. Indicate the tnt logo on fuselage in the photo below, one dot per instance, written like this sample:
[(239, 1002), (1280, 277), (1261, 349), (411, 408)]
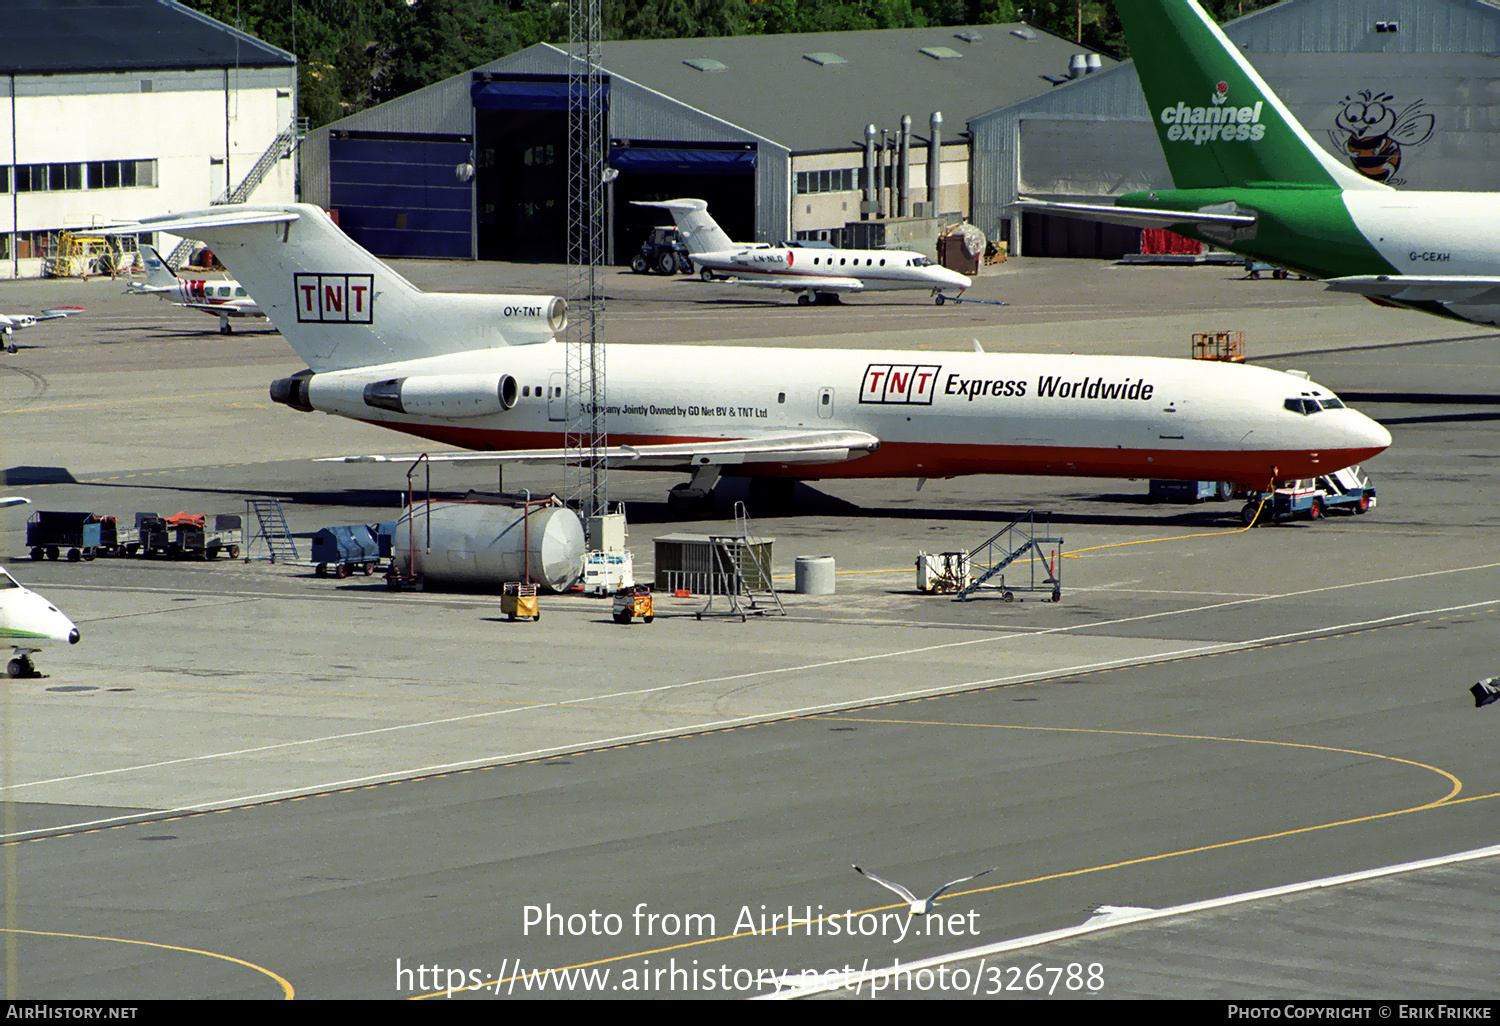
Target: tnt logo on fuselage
[(897, 383), (335, 298)]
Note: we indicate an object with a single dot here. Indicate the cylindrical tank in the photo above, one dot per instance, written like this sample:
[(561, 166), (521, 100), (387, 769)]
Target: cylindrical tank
[(485, 544), (815, 575)]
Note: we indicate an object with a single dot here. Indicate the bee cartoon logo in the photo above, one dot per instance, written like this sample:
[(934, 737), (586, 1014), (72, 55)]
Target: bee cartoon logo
[(1371, 133)]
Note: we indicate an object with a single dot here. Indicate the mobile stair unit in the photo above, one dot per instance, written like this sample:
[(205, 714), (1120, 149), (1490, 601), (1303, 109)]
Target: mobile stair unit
[(740, 573), (269, 530), (990, 558)]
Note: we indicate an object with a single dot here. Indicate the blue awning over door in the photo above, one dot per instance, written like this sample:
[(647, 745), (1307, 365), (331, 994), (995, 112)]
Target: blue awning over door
[(662, 160)]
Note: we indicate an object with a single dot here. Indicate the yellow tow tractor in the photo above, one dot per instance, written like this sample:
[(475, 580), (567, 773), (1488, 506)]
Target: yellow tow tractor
[(634, 601)]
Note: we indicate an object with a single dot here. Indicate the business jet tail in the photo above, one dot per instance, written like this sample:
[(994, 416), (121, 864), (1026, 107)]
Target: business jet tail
[(700, 232)]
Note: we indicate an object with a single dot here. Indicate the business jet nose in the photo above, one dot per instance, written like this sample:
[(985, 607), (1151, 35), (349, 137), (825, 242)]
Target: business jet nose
[(960, 281)]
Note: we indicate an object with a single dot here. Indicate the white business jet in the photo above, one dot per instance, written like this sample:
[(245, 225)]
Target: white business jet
[(815, 273), (10, 322), (28, 622), (221, 299), (485, 372)]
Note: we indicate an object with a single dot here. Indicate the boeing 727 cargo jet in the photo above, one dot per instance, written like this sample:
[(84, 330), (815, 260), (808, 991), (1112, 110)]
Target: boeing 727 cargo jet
[(813, 273), (1249, 178), (486, 373)]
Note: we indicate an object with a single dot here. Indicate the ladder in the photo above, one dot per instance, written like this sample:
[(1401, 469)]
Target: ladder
[(739, 570), (283, 145), (1009, 544), (280, 147), (271, 530)]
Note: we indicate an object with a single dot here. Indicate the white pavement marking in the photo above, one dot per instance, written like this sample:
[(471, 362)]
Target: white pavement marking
[(856, 980), (720, 724)]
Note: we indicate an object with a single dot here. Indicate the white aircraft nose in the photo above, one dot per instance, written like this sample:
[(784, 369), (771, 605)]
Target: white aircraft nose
[(961, 281), (1365, 433)]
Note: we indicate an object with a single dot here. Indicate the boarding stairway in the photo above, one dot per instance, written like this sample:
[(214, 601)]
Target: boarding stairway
[(270, 531), (282, 146), (1009, 544), (740, 574)]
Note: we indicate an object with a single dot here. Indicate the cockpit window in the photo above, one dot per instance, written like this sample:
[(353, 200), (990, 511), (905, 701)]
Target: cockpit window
[(1303, 405), (1332, 402), (921, 261)]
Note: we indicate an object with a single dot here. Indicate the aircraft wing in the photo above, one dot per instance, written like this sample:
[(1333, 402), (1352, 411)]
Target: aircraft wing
[(800, 283), (1416, 288), (801, 447), (221, 309), (1135, 217)]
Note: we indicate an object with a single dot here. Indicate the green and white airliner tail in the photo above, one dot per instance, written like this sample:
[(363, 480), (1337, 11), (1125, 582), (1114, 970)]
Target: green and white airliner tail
[(1249, 178)]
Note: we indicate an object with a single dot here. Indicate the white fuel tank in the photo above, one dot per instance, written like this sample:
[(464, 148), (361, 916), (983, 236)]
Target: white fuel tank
[(486, 544)]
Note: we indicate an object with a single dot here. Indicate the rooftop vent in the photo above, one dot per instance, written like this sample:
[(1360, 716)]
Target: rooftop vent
[(824, 59), (1023, 33), (706, 64), (1387, 26), (941, 53), (969, 36)]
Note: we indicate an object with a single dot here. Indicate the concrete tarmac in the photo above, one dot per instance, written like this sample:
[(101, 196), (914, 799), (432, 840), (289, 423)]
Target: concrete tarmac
[(247, 781)]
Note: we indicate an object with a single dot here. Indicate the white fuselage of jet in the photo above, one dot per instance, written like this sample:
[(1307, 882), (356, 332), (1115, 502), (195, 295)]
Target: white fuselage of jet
[(816, 268), (935, 414)]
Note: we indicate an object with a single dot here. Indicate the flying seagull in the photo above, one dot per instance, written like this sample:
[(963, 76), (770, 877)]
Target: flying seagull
[(920, 906)]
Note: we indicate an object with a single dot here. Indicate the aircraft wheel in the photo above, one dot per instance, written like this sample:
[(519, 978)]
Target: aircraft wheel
[(11, 349), (638, 264), (1009, 596), (15, 668), (706, 274), (803, 299)]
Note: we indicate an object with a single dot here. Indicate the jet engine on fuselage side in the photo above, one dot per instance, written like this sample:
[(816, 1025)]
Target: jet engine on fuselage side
[(418, 395)]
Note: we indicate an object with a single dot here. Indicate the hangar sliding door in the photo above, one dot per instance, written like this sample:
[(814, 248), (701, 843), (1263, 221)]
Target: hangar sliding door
[(521, 177), (400, 195)]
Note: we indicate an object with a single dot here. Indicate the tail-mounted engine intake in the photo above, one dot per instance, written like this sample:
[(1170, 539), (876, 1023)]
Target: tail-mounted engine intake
[(445, 395), (292, 391)]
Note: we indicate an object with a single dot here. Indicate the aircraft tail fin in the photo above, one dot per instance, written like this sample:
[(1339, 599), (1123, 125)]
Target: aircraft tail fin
[(158, 274), (338, 305), (1220, 125), (700, 232)]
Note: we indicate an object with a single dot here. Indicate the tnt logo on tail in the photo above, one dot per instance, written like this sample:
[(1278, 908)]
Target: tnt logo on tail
[(335, 298)]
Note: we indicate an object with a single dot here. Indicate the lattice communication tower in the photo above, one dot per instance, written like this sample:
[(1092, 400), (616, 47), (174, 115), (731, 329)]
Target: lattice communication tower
[(587, 476)]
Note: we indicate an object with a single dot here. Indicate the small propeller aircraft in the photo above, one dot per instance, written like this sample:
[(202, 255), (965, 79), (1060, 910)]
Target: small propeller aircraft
[(221, 299)]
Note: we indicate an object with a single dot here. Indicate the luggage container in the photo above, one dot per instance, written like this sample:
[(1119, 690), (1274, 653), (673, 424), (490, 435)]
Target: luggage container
[(344, 550), (49, 534)]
